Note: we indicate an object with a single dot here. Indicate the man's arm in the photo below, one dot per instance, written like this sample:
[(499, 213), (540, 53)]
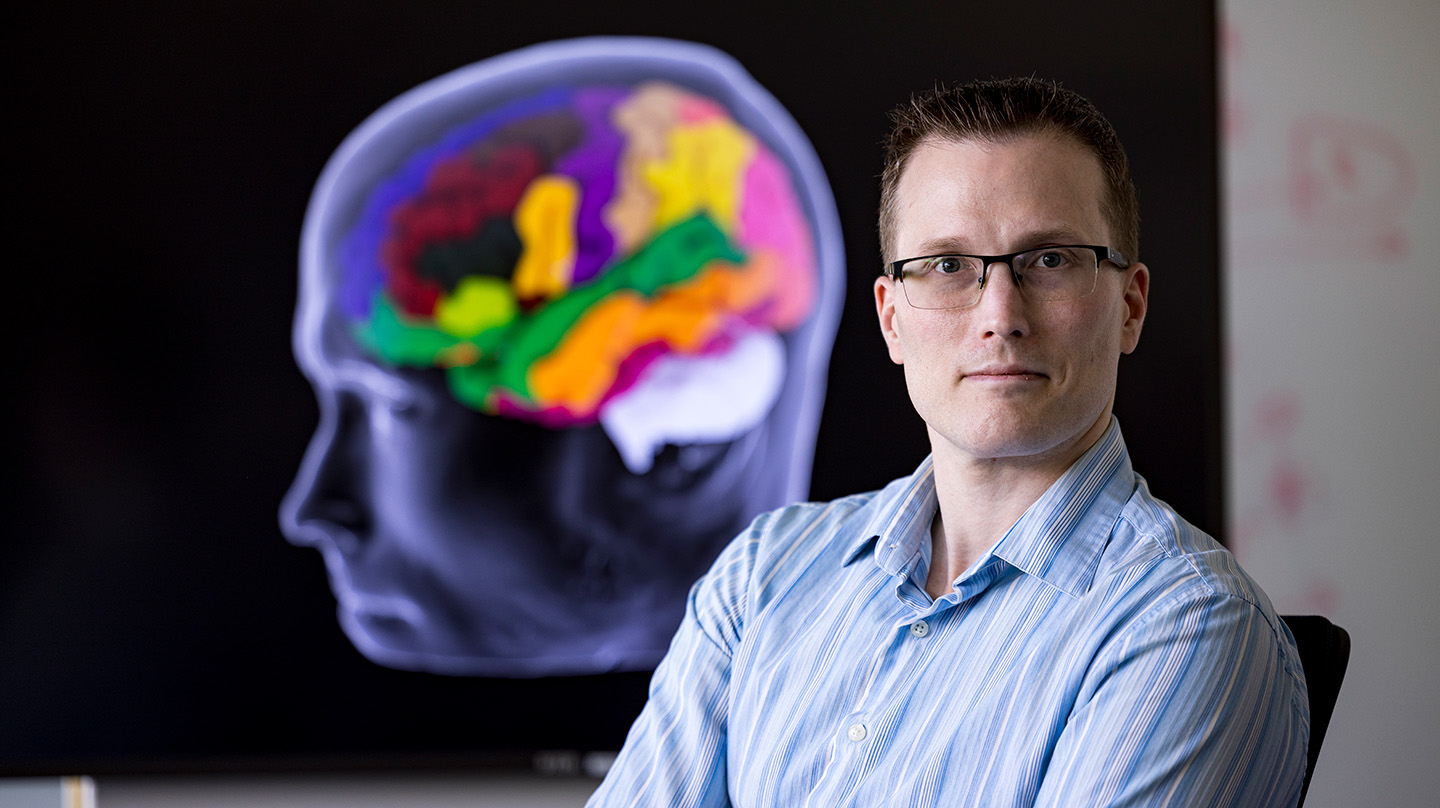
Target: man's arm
[(675, 752), (1190, 706)]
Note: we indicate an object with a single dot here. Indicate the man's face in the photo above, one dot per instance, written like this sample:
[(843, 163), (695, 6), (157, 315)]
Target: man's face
[(1008, 378)]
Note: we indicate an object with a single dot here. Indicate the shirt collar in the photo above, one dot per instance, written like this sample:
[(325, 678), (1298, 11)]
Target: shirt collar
[(901, 518), (1058, 539)]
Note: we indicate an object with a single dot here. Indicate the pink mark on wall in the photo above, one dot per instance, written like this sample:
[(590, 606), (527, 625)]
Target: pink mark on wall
[(1278, 414), (1234, 114), (1347, 189), (1290, 487), (1321, 595), (1344, 185), (1290, 497), (1354, 177)]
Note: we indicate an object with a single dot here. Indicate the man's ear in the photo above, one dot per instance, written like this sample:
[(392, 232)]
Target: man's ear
[(1137, 296), (885, 298)]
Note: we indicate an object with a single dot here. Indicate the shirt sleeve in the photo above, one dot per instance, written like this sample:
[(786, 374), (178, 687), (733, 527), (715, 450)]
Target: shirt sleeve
[(1193, 705), (675, 754)]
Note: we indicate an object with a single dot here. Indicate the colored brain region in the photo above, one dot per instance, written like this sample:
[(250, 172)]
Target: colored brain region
[(545, 253)]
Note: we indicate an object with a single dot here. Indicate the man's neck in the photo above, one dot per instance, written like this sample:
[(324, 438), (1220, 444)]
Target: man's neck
[(981, 498)]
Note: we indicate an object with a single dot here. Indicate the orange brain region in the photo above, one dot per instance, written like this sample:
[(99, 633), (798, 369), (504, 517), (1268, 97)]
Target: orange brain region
[(545, 253)]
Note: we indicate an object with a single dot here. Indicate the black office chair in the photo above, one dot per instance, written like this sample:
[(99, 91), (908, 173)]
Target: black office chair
[(1324, 653)]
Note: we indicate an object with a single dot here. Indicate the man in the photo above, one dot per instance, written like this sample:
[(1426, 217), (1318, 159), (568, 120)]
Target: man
[(1019, 622)]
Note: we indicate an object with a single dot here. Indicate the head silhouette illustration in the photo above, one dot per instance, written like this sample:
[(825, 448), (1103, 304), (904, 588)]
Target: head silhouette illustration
[(568, 315)]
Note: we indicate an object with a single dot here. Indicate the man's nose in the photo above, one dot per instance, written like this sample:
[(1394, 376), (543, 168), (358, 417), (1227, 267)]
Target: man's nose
[(1002, 311)]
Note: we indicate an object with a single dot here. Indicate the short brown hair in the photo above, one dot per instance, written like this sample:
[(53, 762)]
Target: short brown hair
[(998, 110)]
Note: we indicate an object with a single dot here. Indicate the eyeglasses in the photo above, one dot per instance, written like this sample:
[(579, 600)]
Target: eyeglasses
[(955, 281)]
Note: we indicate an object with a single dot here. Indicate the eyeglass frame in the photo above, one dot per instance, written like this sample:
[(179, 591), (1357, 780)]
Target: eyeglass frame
[(1102, 254)]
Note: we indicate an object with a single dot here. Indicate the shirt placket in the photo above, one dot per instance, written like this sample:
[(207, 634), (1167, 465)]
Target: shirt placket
[(860, 738)]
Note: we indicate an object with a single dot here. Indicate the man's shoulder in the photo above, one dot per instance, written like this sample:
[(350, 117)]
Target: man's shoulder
[(1163, 557)]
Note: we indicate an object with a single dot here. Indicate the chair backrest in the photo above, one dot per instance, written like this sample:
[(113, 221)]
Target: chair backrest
[(1324, 653)]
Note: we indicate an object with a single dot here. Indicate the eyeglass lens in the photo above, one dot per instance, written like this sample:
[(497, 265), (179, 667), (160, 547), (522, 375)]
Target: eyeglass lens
[(957, 281)]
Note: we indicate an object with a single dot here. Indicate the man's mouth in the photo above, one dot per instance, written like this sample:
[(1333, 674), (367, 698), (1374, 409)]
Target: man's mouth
[(1004, 373)]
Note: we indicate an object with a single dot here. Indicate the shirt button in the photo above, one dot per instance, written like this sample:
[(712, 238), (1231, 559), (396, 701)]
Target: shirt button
[(919, 628), (856, 732)]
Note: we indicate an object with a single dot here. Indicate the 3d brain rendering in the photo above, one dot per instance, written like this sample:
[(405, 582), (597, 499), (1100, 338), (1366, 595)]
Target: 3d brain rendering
[(550, 255)]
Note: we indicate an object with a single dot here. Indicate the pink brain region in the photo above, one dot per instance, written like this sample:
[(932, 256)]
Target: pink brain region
[(584, 246)]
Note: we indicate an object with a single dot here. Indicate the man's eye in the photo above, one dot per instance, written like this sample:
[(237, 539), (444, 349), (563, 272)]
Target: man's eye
[(948, 265), (1051, 259)]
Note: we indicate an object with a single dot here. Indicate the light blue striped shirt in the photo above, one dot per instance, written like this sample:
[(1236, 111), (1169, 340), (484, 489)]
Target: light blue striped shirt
[(1104, 652)]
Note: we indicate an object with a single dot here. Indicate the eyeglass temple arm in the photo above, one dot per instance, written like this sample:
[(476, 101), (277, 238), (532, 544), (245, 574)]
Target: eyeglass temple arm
[(1116, 257)]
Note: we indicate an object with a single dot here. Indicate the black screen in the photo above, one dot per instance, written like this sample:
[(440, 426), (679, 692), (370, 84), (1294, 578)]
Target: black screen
[(152, 616)]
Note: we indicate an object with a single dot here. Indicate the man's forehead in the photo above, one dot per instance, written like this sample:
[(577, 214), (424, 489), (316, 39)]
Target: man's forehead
[(1056, 149), (1032, 187)]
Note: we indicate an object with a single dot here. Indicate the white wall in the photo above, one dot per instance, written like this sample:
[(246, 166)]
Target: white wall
[(1331, 160)]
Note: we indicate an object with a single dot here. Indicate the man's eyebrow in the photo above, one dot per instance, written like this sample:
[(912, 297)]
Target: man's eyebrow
[(1026, 241), (1050, 236), (937, 246)]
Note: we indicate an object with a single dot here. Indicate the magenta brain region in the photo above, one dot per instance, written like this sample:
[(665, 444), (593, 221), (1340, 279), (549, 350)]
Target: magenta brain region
[(549, 255)]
